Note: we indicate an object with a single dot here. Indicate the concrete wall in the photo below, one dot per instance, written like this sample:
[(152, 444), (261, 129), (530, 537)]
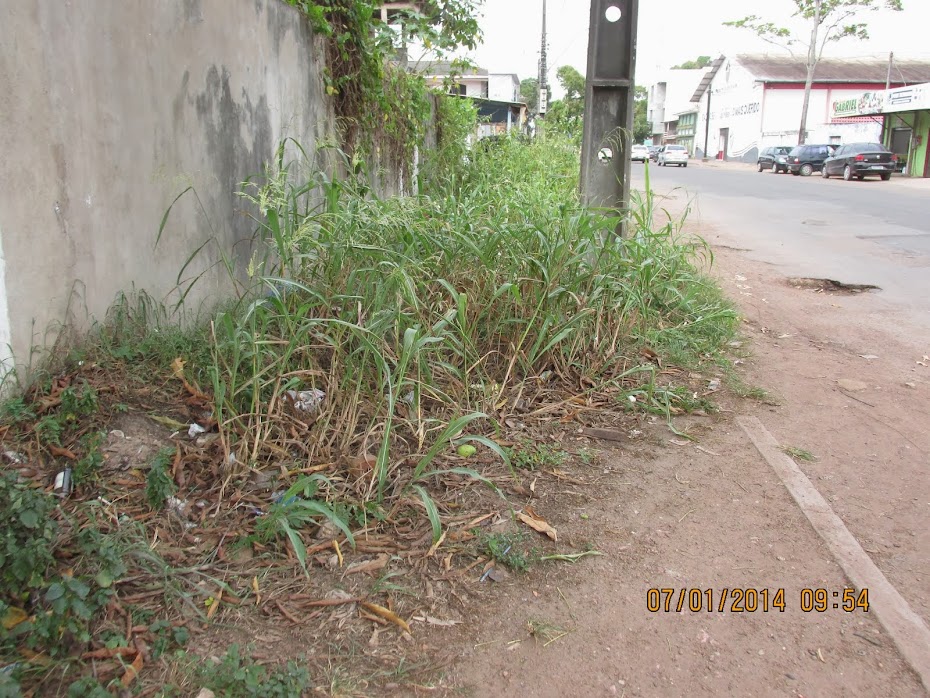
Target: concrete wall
[(782, 113), (109, 109)]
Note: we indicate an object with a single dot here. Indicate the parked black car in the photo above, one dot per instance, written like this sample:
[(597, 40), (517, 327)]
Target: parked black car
[(774, 159), (860, 160), (804, 160)]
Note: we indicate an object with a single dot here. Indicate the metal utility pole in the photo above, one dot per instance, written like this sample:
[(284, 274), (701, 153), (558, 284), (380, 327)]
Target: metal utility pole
[(608, 112), (543, 84)]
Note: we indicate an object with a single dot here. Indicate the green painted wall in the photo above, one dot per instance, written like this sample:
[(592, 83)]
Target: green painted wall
[(916, 167)]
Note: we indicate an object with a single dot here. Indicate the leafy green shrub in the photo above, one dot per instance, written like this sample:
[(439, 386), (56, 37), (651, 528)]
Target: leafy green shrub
[(55, 609), (27, 535)]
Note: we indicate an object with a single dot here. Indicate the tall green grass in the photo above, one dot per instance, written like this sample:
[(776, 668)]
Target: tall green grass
[(420, 317)]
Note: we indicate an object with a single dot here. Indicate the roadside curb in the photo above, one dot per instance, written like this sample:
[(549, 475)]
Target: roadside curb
[(906, 629)]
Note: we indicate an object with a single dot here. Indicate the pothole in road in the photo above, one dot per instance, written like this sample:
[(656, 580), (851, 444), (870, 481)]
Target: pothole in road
[(829, 286)]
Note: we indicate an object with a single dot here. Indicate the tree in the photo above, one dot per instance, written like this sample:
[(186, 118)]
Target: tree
[(828, 20), (566, 114), (529, 94), (642, 129), (699, 62)]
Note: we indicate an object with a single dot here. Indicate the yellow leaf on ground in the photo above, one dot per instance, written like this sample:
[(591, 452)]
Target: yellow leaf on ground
[(13, 617), (538, 524), (382, 612)]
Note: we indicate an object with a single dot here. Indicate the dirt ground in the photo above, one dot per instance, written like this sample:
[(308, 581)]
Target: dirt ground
[(848, 381)]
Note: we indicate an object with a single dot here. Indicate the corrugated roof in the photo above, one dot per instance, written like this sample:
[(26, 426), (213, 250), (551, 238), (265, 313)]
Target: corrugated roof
[(790, 69), (708, 78)]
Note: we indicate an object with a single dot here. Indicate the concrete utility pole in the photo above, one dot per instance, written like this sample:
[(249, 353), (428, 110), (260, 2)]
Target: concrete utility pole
[(608, 101), (542, 100), (890, 63)]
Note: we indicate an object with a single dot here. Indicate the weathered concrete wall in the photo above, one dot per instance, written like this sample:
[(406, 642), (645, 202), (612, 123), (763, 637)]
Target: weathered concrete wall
[(108, 110)]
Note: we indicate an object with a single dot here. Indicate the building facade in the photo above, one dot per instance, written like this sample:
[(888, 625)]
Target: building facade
[(667, 98), (904, 113), (746, 103), (686, 127)]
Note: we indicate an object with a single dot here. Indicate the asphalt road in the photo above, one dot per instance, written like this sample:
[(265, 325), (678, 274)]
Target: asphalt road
[(868, 232)]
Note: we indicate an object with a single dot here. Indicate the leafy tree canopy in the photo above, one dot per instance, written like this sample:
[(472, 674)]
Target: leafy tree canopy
[(699, 62)]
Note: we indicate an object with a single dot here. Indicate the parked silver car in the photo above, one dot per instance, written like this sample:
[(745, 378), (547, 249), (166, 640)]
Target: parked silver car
[(673, 154)]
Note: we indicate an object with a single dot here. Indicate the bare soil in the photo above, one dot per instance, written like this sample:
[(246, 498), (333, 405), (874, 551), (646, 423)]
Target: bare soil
[(847, 381)]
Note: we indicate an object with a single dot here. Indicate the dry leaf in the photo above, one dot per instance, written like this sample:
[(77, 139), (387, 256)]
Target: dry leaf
[(369, 566), (538, 524), (13, 617), (382, 612), (177, 367), (132, 671), (435, 546), (651, 355), (110, 652), (437, 621), (214, 605)]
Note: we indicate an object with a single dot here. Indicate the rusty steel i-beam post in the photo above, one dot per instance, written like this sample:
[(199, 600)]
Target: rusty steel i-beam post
[(608, 113)]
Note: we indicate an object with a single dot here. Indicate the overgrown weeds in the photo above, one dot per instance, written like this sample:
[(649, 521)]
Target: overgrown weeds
[(369, 339)]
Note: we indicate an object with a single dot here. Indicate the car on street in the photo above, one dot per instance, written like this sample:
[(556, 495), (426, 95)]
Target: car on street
[(654, 152), (673, 154), (774, 159), (860, 160), (639, 152), (804, 160)]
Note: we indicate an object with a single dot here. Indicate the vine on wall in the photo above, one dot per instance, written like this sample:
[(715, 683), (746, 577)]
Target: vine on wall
[(383, 111)]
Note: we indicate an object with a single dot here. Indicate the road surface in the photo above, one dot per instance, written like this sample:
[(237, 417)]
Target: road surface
[(868, 232)]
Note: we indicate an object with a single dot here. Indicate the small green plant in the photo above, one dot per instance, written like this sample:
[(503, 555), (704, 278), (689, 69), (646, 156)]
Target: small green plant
[(536, 456), (159, 484), (294, 510), (88, 687), (237, 677), (88, 466), (167, 636), (78, 402), (27, 535), (799, 453), (509, 549), (16, 410), (49, 429), (589, 456)]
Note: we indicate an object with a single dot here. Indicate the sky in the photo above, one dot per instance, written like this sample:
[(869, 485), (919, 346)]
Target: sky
[(670, 32)]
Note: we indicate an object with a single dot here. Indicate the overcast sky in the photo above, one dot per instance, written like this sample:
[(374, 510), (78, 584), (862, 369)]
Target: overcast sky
[(672, 31)]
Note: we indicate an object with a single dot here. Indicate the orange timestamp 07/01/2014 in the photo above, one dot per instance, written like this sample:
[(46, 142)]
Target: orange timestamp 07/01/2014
[(752, 600)]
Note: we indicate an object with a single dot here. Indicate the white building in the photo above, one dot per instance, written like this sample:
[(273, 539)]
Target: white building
[(470, 82), (496, 95), (667, 98), (755, 102), (504, 87)]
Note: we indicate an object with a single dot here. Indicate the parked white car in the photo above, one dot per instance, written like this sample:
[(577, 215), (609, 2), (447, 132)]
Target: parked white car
[(639, 152), (673, 155)]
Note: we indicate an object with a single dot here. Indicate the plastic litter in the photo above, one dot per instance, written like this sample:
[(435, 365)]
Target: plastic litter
[(14, 457), (307, 400), (195, 430), (63, 484)]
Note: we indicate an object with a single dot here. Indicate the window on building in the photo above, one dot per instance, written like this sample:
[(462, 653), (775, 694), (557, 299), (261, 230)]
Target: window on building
[(835, 140)]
